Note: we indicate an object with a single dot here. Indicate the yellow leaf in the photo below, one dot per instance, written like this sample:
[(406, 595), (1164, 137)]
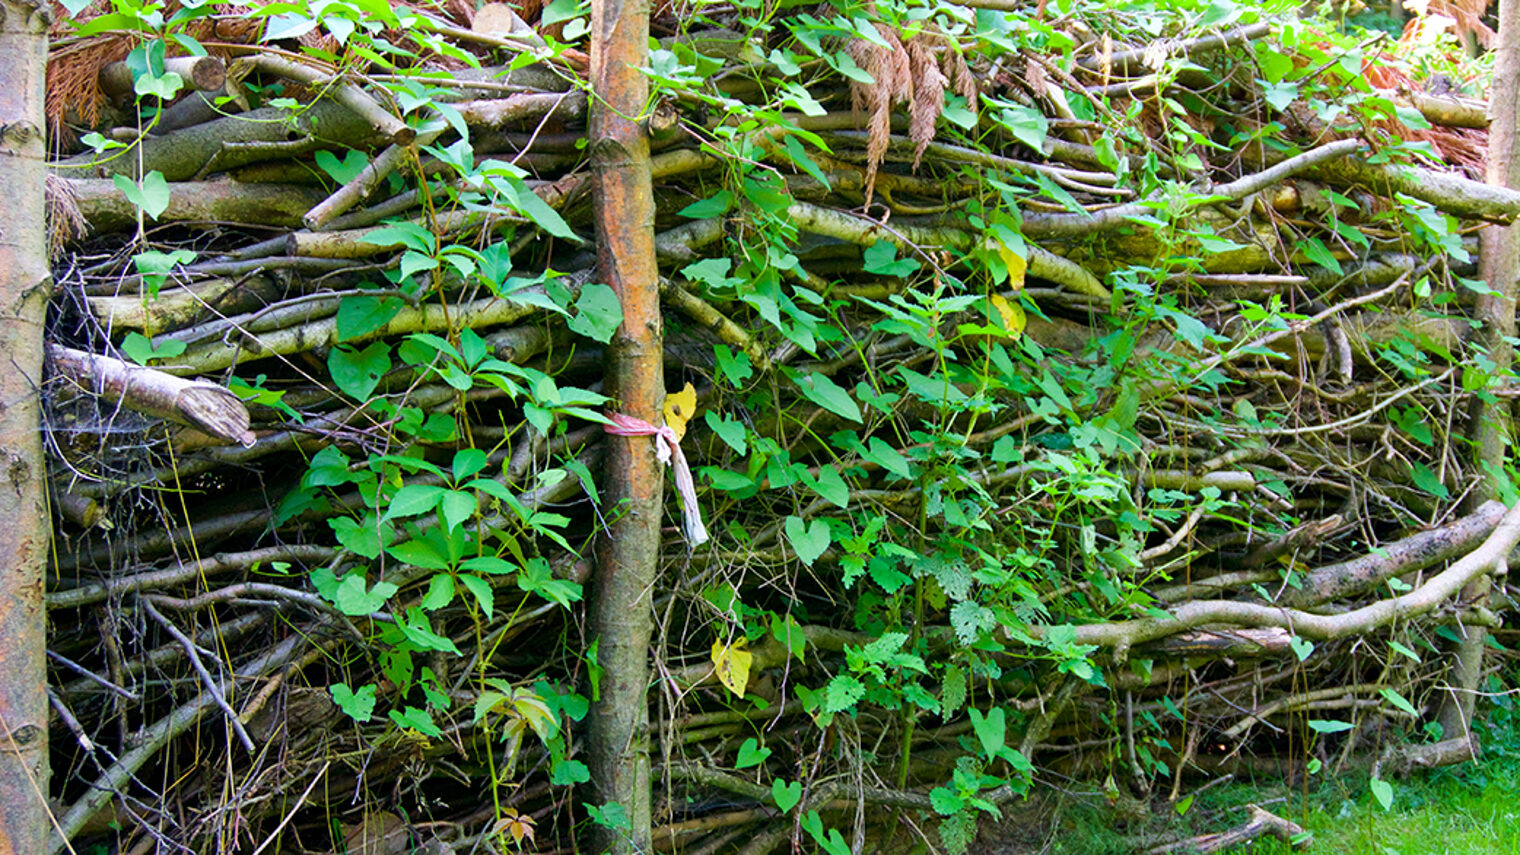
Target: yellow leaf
[(1012, 315), (1015, 264), (732, 664), (679, 408)]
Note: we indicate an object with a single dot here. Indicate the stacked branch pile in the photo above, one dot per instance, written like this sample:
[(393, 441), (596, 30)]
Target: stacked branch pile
[(1116, 399)]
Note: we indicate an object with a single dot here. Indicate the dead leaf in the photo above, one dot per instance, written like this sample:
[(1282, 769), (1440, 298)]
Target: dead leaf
[(732, 663), (679, 408)]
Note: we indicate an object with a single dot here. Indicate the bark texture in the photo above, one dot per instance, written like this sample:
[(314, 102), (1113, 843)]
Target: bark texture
[(24, 279), (628, 560), (1491, 425)]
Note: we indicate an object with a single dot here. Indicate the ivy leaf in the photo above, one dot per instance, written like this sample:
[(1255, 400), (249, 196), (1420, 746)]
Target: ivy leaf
[(730, 430), (359, 705), (991, 729), (417, 720), (679, 408), (1301, 647), (808, 540), (357, 372), (1027, 124), (824, 392)]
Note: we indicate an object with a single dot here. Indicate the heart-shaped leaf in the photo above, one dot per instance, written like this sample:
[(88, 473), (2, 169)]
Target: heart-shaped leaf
[(751, 754), (786, 793), (808, 540)]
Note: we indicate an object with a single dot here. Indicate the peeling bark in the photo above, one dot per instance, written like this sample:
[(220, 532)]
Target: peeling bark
[(628, 557)]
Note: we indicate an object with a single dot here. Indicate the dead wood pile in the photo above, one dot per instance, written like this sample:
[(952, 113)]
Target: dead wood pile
[(1217, 491)]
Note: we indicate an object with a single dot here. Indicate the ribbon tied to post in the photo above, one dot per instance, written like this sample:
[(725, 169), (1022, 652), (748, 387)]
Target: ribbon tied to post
[(667, 447)]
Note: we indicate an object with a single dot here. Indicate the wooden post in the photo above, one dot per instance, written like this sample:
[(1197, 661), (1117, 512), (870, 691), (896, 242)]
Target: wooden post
[(628, 557), (24, 284)]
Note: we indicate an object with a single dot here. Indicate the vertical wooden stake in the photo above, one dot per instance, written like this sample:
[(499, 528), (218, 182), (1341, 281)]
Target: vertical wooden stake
[(24, 283), (628, 557)]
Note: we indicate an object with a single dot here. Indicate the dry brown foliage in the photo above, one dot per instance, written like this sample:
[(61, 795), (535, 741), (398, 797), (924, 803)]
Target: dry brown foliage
[(913, 72)]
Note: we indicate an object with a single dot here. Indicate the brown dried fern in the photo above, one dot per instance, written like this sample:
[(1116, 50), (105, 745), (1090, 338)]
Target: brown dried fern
[(914, 72)]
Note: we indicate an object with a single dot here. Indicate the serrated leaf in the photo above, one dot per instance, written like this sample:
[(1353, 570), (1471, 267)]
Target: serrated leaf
[(842, 693), (440, 592)]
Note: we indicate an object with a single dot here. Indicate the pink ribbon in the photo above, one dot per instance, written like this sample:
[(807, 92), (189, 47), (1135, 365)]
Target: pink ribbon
[(667, 447)]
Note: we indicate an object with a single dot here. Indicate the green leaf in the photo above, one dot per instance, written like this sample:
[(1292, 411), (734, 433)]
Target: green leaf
[(456, 507), (440, 592), (140, 349), (715, 205), (830, 485), (879, 452), (1027, 124), (1315, 250), (823, 391), (353, 599), (1382, 791), (1301, 647), (786, 793), (945, 802), (569, 772), (345, 170), (597, 313), (1398, 701), (418, 720), (843, 692), (480, 589), (881, 258), (991, 730), (785, 629), (751, 754), (808, 541), (1322, 726), (152, 195), (356, 373), (730, 430), (359, 705), (1426, 480), (359, 316), (414, 500)]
